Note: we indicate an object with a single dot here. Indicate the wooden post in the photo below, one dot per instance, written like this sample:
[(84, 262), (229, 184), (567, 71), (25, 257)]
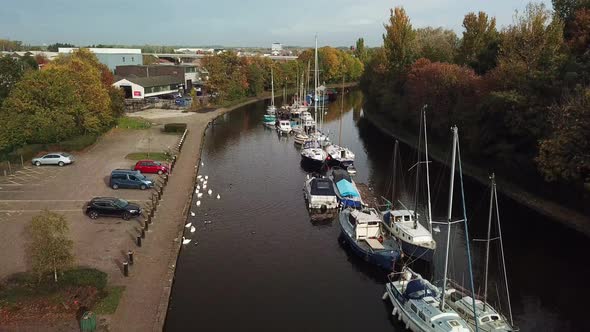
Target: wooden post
[(9, 168), (22, 162), (130, 257), (126, 269), (143, 233), (138, 240)]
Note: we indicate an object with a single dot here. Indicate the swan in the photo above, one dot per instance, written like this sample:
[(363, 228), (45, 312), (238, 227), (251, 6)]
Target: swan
[(206, 177), (199, 176), (192, 214), (188, 225), (210, 192), (185, 241), (218, 196), (198, 187), (196, 190), (199, 195), (193, 229), (202, 163), (204, 186), (198, 203)]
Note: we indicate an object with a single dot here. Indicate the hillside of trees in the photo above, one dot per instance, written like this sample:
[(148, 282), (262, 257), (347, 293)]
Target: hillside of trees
[(519, 94)]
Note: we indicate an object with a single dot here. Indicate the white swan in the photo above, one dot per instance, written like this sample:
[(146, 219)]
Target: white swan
[(199, 195), (196, 190), (188, 225), (199, 176), (218, 196), (210, 192), (193, 229), (206, 177), (192, 214), (198, 203), (204, 186), (185, 241), (202, 163), (198, 187)]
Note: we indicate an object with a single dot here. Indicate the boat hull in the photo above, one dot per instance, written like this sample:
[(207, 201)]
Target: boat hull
[(309, 163), (417, 251), (385, 262)]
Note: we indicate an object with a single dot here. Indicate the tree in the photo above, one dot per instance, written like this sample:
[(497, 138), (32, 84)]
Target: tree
[(578, 32), (11, 71), (55, 47), (480, 32), (360, 51), (565, 9), (437, 45), (8, 45), (398, 41), (50, 249), (565, 155)]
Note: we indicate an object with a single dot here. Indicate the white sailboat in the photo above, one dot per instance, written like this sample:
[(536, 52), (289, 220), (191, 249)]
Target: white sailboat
[(489, 319), (418, 303), (271, 109), (337, 154)]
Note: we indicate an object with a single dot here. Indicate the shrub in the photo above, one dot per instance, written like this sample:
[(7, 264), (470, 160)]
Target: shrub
[(84, 277), (78, 142), (174, 127)]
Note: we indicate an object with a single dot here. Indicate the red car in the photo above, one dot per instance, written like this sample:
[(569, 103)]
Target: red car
[(150, 166)]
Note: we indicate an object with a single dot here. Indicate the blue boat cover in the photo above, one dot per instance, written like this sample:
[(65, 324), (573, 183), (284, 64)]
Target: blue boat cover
[(350, 203), (346, 189), (417, 289)]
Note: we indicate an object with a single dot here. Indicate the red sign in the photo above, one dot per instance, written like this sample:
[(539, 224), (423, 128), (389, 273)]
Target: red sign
[(137, 93)]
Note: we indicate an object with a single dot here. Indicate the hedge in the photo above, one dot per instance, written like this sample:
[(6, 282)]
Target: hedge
[(174, 127)]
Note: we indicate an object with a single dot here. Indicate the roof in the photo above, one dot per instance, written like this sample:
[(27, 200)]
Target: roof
[(398, 213), (103, 50), (147, 82)]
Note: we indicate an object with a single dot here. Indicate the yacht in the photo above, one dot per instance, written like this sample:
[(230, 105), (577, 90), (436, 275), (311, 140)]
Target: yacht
[(283, 126), (272, 109), (339, 156), (363, 232), (312, 154)]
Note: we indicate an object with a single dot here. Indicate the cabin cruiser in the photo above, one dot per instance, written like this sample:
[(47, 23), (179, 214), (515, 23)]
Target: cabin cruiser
[(345, 188), (363, 231), (339, 156), (416, 302), (322, 138), (283, 126), (320, 197), (312, 154), (300, 138), (416, 240)]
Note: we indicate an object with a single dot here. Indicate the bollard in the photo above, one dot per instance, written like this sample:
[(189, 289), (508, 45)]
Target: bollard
[(146, 226), (130, 257), (139, 240), (126, 269), (143, 233), (149, 220)]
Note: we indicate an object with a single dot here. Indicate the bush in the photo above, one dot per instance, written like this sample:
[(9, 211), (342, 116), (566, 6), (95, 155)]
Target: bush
[(77, 143), (174, 127), (84, 277), (133, 123)]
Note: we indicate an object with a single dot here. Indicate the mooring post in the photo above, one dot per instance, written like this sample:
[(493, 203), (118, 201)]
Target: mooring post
[(126, 269), (138, 241), (143, 233), (130, 257), (146, 226)]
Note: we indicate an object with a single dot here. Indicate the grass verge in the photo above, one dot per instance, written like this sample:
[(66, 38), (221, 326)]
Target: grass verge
[(133, 123), (109, 303), (161, 156)]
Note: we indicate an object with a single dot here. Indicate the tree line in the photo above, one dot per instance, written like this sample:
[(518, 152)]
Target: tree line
[(233, 77), (520, 94), (70, 96)]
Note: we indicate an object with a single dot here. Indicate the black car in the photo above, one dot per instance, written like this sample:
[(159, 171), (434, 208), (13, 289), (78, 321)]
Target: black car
[(112, 207)]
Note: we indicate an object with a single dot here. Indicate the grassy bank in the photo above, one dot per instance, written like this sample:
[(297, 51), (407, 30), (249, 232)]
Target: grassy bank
[(133, 123)]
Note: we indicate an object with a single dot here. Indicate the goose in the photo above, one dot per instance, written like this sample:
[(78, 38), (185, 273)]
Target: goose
[(188, 225), (193, 229), (185, 241), (210, 192), (198, 187), (198, 203), (192, 214), (199, 195), (218, 196)]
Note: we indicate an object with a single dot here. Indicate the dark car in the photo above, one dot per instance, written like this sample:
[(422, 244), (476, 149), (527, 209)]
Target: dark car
[(128, 178), (112, 207)]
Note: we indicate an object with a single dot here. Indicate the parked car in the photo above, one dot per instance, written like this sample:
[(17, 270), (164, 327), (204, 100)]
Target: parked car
[(55, 158), (111, 207), (127, 178), (150, 166)]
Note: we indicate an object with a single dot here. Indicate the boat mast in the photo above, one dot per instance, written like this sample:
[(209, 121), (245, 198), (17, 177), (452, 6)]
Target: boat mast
[(449, 216), (427, 171), (341, 107), (272, 88), (502, 252), (418, 161), (315, 84), (485, 287), (393, 185)]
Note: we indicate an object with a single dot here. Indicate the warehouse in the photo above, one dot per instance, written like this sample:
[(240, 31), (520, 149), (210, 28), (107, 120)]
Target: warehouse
[(143, 87)]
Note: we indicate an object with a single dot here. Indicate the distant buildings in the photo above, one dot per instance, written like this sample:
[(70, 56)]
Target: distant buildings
[(276, 49), (143, 87), (112, 57)]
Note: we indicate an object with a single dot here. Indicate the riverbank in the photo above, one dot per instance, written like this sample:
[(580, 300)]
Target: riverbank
[(566, 216)]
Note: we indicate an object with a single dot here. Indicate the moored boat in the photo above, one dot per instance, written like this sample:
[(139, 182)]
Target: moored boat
[(320, 197), (300, 138), (312, 155), (345, 188)]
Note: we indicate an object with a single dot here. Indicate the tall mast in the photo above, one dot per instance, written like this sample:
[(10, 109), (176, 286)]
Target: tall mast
[(502, 251), (341, 108), (449, 216), (418, 161), (315, 83), (427, 170), (272, 88), (393, 185), (485, 287)]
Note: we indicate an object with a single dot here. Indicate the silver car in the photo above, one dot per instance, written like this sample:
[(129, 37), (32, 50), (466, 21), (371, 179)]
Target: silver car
[(55, 158)]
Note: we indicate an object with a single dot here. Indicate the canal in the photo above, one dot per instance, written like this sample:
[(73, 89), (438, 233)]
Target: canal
[(257, 263)]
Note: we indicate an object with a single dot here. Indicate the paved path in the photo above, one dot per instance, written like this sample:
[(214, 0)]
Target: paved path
[(145, 301)]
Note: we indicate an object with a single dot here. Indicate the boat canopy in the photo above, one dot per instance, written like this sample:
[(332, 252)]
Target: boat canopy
[(311, 144), (322, 187), (341, 174), (346, 189), (418, 289)]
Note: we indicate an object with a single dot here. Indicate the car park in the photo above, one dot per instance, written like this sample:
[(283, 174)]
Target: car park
[(54, 158), (151, 166), (131, 179), (111, 207)]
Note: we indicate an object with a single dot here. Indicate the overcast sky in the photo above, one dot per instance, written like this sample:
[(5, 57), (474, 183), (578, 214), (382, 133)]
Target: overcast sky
[(230, 22)]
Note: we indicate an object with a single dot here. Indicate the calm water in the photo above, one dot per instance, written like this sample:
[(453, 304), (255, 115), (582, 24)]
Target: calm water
[(261, 265)]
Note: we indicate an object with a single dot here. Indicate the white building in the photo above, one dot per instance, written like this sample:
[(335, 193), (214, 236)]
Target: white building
[(112, 57), (276, 47), (143, 87)]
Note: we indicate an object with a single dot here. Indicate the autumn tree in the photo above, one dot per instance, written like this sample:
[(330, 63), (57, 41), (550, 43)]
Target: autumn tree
[(398, 41), (480, 38), (566, 9), (360, 52), (49, 249), (437, 45), (565, 155), (11, 71)]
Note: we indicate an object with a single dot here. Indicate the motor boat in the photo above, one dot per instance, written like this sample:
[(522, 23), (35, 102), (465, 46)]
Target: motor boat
[(339, 156), (283, 126), (416, 240), (300, 138), (312, 154), (363, 231), (345, 188), (320, 197)]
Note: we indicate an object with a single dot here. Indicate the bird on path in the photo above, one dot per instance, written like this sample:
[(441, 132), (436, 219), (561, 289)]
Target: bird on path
[(193, 229), (188, 225), (185, 241)]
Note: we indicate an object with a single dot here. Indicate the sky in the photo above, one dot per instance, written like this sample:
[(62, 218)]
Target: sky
[(255, 23)]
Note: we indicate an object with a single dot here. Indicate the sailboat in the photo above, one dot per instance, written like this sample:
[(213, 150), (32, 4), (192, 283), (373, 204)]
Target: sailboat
[(418, 303), (417, 240), (337, 154), (312, 153), (489, 319), (271, 109)]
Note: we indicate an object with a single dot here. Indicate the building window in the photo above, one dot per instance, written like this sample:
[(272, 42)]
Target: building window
[(123, 59), (132, 59)]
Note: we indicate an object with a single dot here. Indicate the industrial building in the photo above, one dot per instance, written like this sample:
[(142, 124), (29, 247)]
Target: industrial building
[(188, 75), (112, 57), (143, 87)]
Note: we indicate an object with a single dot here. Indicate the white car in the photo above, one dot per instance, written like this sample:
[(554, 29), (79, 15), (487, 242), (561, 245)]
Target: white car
[(55, 158)]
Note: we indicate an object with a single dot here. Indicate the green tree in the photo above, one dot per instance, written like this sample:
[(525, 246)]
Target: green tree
[(50, 249), (11, 71), (398, 41), (437, 45), (56, 46), (480, 32), (360, 51), (565, 9)]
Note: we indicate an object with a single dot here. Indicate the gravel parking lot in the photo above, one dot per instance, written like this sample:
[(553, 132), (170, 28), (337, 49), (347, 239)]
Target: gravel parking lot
[(101, 243)]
